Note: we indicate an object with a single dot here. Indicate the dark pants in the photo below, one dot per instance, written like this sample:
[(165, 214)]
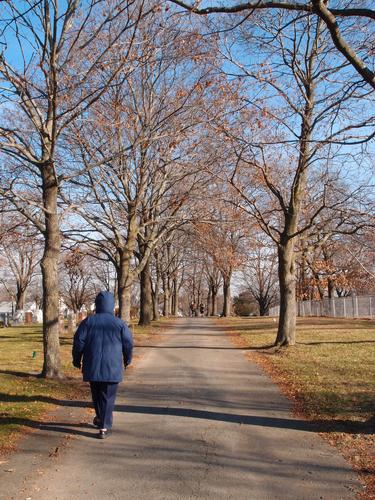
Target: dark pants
[(103, 397)]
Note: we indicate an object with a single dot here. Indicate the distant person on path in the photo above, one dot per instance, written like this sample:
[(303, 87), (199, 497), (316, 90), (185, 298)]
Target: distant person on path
[(104, 344), (201, 309), (192, 309)]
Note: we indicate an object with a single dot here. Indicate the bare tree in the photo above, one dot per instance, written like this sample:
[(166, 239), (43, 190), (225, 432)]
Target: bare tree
[(50, 77), (156, 273), (289, 145), (260, 274), (194, 281), (78, 286), (222, 238), (214, 281), (20, 252), (358, 54), (141, 159), (104, 273), (341, 265), (172, 264), (360, 250)]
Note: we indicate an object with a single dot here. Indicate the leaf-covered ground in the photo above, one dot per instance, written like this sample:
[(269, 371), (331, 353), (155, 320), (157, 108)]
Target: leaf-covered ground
[(329, 375)]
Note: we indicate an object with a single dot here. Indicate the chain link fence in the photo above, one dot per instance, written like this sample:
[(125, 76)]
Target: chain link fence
[(338, 307)]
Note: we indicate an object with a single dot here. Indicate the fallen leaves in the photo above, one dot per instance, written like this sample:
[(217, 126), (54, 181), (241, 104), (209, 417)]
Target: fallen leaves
[(328, 376)]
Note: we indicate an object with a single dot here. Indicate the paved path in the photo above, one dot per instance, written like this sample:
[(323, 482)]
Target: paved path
[(194, 420)]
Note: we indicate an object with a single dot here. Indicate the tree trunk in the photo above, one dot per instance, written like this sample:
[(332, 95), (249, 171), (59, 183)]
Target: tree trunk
[(124, 286), (208, 304), (175, 297), (50, 278), (72, 322), (263, 306), (214, 302), (155, 301), (300, 287), (156, 289), (286, 333), (155, 307), (331, 287), (167, 296), (227, 306), (124, 299), (199, 300), (166, 306), (145, 312), (20, 298)]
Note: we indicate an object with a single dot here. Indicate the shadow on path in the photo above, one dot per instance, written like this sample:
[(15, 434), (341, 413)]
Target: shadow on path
[(263, 421), (194, 347), (344, 426), (267, 347)]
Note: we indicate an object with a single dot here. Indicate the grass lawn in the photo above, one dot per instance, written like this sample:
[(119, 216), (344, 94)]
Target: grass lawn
[(330, 376), (25, 398)]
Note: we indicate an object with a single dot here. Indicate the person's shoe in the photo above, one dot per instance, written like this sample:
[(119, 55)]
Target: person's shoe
[(97, 422), (104, 433)]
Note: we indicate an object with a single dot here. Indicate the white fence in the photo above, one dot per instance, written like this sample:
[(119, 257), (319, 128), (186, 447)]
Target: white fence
[(338, 307)]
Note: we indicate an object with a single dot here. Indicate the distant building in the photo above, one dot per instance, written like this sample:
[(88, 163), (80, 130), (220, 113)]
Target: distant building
[(31, 314), (6, 313)]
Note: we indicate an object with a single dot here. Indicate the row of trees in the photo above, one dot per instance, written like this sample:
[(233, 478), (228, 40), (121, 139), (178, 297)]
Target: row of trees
[(191, 267), (128, 127)]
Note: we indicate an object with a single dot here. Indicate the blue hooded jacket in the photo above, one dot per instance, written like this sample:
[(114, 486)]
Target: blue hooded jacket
[(103, 343)]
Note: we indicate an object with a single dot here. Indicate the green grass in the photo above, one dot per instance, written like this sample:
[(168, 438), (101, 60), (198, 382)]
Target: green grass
[(331, 368), (330, 376), (153, 329), (25, 398)]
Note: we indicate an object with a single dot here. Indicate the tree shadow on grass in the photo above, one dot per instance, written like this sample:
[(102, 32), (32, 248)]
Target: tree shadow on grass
[(13, 337), (33, 374), (60, 427), (15, 398), (214, 327), (338, 342), (21, 374), (35, 339)]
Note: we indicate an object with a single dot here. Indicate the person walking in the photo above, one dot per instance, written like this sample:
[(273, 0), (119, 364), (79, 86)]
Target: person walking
[(103, 345)]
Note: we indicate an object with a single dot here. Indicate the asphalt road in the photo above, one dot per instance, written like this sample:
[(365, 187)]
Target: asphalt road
[(195, 419)]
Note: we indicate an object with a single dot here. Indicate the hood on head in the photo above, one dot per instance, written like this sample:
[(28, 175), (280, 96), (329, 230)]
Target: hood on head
[(105, 302)]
